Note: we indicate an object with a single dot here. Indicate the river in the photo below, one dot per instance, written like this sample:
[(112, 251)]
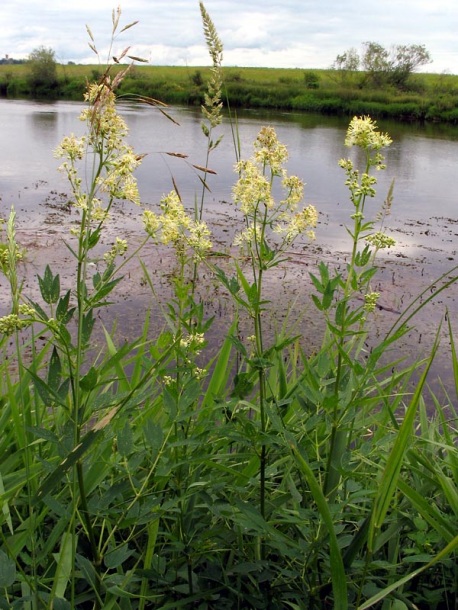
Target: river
[(422, 160)]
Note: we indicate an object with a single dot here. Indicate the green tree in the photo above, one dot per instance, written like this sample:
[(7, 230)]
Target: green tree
[(347, 65), (407, 59), (42, 75), (376, 63), (393, 66)]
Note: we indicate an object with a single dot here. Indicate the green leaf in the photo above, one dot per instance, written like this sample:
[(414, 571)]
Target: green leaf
[(7, 570), (70, 460), (328, 296), (64, 561), (87, 326), (238, 345), (243, 385), (55, 370), (317, 302), (105, 290), (87, 571), (5, 507), (63, 314), (221, 370), (317, 283), (118, 556), (450, 548), (362, 258), (339, 579), (47, 394), (260, 364), (189, 396), (367, 275), (390, 476), (125, 439), (96, 280), (58, 603), (89, 381), (41, 313), (45, 434), (153, 435), (49, 286), (93, 238)]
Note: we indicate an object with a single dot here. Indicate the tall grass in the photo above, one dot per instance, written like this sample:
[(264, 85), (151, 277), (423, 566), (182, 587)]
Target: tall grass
[(266, 477)]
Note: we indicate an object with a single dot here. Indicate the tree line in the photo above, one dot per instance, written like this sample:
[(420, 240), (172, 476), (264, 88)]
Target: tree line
[(378, 66)]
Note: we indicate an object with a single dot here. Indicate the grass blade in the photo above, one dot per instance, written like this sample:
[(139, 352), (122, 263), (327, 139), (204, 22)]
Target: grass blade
[(339, 580), (450, 548), (390, 476)]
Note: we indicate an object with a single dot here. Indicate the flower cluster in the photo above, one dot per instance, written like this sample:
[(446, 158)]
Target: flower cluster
[(358, 185), (253, 194), (269, 152), (5, 256), (13, 322), (105, 124), (370, 301), (71, 147), (362, 132), (252, 188), (193, 342), (380, 240), (119, 248), (174, 226), (114, 161), (301, 223), (247, 237)]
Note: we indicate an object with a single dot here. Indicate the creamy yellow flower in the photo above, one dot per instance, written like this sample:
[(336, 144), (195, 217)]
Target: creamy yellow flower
[(252, 188), (174, 226), (363, 132)]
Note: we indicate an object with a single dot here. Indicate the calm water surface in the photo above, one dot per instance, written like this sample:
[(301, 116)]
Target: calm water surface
[(423, 162)]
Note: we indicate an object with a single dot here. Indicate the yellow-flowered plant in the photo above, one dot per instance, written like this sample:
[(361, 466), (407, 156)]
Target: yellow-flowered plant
[(114, 160), (339, 297), (271, 226), (253, 193), (363, 133), (188, 236)]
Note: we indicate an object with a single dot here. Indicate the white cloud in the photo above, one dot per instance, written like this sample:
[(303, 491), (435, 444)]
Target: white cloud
[(273, 33)]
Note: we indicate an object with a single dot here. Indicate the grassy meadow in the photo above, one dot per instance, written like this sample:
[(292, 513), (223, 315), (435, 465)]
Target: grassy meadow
[(153, 475), (431, 97)]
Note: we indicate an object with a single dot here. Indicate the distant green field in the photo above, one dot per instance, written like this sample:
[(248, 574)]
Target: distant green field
[(432, 97)]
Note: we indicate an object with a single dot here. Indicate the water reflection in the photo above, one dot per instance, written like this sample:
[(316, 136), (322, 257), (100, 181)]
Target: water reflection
[(420, 163)]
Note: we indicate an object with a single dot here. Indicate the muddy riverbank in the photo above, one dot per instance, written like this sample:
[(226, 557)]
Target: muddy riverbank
[(424, 252)]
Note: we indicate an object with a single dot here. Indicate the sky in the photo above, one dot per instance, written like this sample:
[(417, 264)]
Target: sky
[(302, 34)]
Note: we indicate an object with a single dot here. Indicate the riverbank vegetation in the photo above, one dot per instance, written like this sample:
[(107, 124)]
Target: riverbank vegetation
[(153, 475), (339, 91)]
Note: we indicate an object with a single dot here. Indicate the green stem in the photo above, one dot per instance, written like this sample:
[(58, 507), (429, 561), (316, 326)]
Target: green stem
[(339, 436), (87, 520)]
